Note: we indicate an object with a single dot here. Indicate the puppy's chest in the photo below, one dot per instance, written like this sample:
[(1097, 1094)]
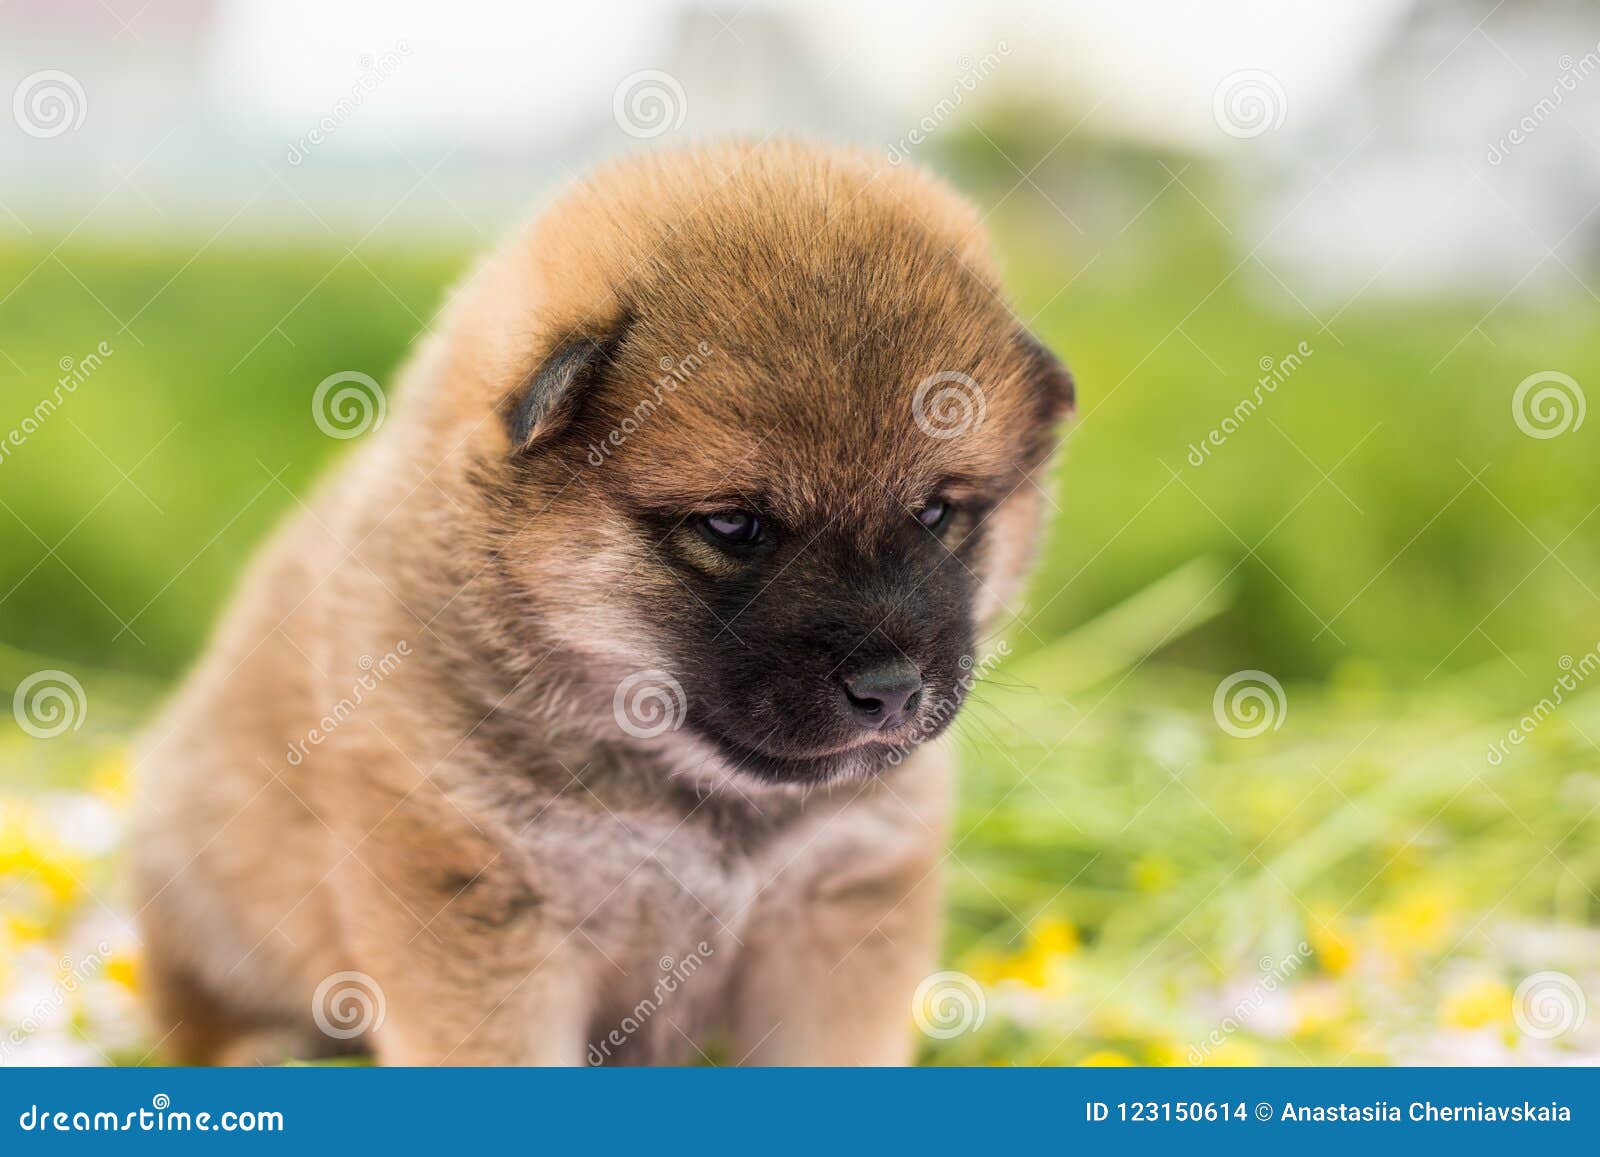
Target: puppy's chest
[(643, 885), (647, 882)]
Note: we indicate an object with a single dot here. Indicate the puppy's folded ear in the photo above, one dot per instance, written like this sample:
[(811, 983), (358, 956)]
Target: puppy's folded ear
[(552, 394), (1056, 391)]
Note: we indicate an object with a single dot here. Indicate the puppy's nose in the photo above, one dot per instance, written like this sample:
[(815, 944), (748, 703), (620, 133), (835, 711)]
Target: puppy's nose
[(884, 695)]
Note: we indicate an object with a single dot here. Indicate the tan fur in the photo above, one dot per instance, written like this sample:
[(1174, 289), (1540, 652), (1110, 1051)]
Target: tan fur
[(476, 836)]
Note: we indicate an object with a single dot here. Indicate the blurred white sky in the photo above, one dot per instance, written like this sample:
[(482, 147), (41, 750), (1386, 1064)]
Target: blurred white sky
[(489, 72), (1383, 117)]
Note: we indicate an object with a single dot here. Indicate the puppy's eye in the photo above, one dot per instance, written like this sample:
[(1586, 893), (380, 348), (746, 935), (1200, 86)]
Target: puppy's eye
[(935, 514), (733, 527)]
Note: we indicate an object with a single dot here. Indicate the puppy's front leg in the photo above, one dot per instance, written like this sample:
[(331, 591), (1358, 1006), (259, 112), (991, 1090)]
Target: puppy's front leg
[(829, 978), (471, 967)]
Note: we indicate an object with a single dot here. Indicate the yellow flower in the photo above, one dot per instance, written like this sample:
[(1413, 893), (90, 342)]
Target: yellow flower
[(1041, 964), (987, 968), (112, 779), (1332, 942), (13, 838), (29, 850), (1234, 1052), (1105, 1059), (1056, 936), (1039, 970), (59, 881), (1417, 924), (1167, 1053), (1476, 1002), (123, 969), (23, 930)]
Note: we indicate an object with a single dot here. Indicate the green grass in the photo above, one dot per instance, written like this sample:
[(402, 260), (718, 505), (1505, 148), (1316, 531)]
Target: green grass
[(1372, 814), (148, 487)]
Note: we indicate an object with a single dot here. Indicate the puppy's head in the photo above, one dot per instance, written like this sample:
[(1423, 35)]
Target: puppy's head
[(766, 451)]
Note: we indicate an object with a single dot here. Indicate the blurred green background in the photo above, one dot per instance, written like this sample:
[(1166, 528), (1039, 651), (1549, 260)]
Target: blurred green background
[(1132, 880)]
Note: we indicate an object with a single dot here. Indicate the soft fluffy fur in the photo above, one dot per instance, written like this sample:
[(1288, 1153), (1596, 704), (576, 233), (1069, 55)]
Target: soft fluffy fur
[(477, 836)]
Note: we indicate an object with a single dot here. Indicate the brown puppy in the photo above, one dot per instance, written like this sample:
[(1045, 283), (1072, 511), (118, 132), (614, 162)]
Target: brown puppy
[(579, 717)]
